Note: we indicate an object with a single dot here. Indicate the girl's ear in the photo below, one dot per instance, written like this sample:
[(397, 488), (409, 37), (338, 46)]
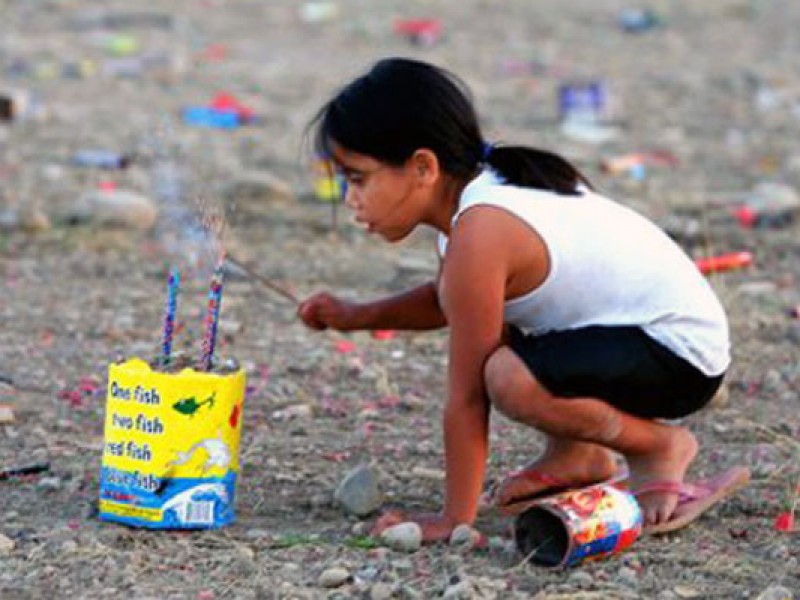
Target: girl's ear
[(425, 166)]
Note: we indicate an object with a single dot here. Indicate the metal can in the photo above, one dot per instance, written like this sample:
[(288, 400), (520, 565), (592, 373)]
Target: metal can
[(578, 525), (586, 100)]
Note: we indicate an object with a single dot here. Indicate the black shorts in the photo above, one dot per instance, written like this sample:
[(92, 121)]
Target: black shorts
[(620, 365)]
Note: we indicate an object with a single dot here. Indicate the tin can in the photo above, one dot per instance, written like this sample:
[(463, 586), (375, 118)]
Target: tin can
[(578, 525), (171, 445), (582, 100), (329, 186)]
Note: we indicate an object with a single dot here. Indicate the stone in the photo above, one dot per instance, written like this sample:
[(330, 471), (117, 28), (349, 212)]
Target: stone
[(6, 544), (775, 592), (380, 591), (628, 576), (257, 186), (464, 537), (118, 208), (359, 492), (580, 579), (461, 590), (333, 577), (404, 537)]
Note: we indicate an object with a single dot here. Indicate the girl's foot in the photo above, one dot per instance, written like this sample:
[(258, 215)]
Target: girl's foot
[(563, 466), (668, 464)]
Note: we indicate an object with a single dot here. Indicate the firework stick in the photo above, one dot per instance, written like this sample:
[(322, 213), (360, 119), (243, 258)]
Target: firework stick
[(212, 318), (173, 286), (268, 283)]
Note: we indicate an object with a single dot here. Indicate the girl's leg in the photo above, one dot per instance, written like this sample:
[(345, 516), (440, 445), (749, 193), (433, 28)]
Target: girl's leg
[(568, 461), (654, 451)]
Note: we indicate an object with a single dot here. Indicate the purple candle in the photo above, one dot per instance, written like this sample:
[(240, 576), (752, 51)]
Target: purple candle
[(173, 286)]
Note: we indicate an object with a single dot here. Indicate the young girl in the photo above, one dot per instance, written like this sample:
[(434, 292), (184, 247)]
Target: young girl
[(567, 311)]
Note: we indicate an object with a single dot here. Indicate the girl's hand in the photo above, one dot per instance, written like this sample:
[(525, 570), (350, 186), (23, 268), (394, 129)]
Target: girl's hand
[(323, 311), (435, 527)]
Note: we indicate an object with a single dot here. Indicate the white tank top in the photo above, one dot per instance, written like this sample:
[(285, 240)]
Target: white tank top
[(608, 266)]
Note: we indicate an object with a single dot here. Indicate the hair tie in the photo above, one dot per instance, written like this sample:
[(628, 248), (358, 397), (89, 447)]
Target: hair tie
[(486, 151)]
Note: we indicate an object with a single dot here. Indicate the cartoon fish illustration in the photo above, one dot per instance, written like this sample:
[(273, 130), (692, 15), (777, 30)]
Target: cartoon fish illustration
[(189, 406)]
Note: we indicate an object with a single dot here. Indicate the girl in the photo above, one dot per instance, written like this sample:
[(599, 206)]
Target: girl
[(567, 312)]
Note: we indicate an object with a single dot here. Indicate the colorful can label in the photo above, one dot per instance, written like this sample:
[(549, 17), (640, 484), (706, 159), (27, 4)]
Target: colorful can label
[(171, 446), (578, 525)]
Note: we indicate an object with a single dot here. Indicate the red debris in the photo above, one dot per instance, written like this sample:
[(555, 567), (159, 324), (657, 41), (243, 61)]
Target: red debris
[(724, 262), (384, 334), (785, 522), (345, 346)]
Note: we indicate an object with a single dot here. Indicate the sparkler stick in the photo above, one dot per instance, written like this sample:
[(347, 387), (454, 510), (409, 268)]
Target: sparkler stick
[(267, 283), (173, 286), (212, 317)]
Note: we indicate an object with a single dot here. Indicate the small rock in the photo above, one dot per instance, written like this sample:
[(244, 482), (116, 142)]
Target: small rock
[(464, 537), (257, 186), (685, 591), (380, 591), (49, 484), (6, 544), (461, 590), (580, 579), (627, 576), (333, 577), (403, 565), (359, 492), (406, 592), (775, 592), (295, 411), (117, 208), (405, 537)]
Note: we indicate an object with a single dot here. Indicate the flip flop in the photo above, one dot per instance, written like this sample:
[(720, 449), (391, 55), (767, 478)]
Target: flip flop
[(555, 485), (694, 498)]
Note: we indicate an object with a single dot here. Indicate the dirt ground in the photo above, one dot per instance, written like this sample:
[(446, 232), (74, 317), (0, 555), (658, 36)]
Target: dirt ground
[(715, 84)]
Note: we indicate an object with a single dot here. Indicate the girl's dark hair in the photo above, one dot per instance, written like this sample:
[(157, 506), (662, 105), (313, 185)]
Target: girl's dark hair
[(401, 105)]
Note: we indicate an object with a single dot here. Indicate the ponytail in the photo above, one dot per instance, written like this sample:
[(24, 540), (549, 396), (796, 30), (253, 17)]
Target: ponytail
[(534, 168)]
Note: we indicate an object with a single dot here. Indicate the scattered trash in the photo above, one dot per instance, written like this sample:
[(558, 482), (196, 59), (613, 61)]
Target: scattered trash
[(583, 101), (319, 12), (19, 106), (21, 471), (724, 262), (569, 528), (6, 544), (422, 32), (329, 186), (785, 522), (769, 205), (384, 334), (776, 592), (6, 414), (101, 159), (638, 20), (345, 346), (170, 455), (635, 165)]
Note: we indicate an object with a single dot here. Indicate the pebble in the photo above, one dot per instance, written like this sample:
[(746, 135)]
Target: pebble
[(333, 577), (380, 591), (461, 590), (6, 544), (775, 592), (685, 591), (359, 492), (405, 537), (119, 208), (464, 537), (627, 576), (257, 186), (580, 579), (49, 484)]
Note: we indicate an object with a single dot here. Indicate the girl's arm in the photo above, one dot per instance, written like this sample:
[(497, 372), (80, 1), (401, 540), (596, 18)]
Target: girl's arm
[(414, 309), (475, 273)]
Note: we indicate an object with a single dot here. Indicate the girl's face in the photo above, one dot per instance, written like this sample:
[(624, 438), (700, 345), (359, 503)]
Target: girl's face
[(384, 198)]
